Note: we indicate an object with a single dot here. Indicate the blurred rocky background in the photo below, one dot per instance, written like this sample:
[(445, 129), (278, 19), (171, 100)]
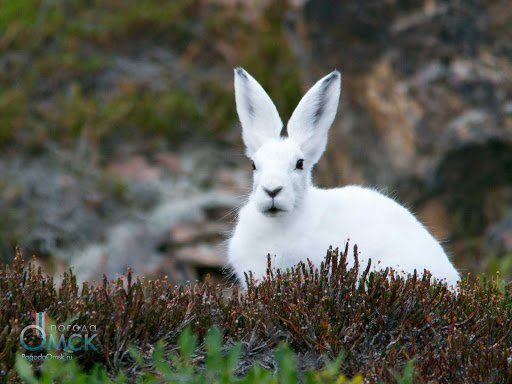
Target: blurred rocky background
[(120, 143)]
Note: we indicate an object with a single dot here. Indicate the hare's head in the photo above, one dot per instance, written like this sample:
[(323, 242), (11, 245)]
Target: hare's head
[(282, 159)]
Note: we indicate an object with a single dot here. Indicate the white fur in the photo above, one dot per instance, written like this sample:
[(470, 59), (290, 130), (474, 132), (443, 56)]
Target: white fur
[(311, 219)]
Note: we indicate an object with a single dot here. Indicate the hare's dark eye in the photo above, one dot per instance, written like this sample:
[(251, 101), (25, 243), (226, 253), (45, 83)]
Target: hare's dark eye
[(253, 166), (300, 164)]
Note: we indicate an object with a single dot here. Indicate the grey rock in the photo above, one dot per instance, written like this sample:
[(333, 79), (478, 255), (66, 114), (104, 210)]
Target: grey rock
[(499, 237)]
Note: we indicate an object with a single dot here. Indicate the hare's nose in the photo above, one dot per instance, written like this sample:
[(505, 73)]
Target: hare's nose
[(274, 192)]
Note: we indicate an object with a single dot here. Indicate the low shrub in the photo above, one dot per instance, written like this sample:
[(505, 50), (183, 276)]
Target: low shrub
[(378, 320)]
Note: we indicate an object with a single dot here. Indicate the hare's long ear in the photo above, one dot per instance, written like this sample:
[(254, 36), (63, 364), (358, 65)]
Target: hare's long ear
[(258, 114), (311, 120)]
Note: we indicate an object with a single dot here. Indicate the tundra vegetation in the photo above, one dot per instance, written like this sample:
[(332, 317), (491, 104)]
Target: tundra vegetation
[(334, 318)]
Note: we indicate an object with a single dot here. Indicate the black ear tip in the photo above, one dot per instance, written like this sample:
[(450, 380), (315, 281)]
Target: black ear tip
[(241, 72), (332, 76)]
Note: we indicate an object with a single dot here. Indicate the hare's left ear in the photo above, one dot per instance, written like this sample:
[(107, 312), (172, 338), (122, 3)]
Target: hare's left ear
[(311, 120), (258, 114)]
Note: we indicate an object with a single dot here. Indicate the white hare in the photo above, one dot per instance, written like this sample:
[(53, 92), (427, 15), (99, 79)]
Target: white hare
[(289, 218)]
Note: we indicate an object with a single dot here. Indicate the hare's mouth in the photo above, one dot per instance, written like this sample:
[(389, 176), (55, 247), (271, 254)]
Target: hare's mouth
[(273, 211)]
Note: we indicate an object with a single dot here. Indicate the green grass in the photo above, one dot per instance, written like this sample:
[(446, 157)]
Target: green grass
[(502, 267), (23, 23), (13, 106), (127, 116), (218, 366), (60, 49)]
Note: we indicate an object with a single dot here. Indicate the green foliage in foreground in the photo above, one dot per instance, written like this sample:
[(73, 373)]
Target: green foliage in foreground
[(217, 367)]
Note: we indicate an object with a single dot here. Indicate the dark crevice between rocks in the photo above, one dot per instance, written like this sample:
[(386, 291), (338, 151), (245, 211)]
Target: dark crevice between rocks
[(466, 175)]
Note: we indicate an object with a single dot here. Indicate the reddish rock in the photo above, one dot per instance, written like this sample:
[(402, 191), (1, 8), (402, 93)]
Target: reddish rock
[(434, 216), (200, 255), (135, 168), (170, 161), (184, 233)]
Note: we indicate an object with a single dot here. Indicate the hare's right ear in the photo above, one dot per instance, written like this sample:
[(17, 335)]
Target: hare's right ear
[(311, 120), (258, 114)]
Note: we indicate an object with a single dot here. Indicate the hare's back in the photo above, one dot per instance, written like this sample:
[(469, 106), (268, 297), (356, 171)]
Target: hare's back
[(365, 204), (370, 215), (383, 229)]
